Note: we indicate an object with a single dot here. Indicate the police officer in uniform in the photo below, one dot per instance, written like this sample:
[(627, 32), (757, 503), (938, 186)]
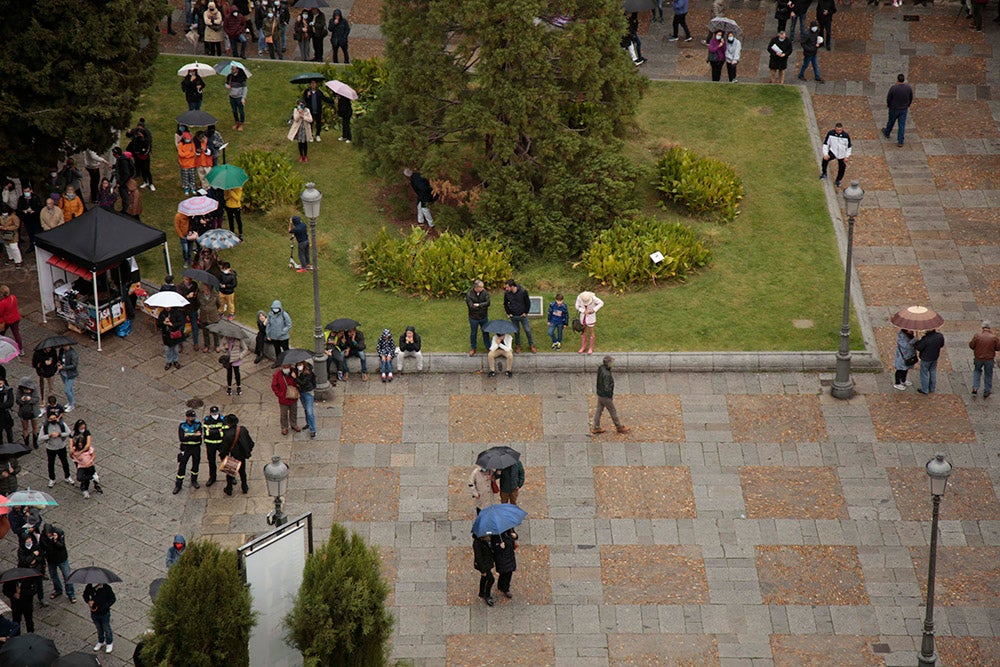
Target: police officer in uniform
[(214, 426), (189, 433)]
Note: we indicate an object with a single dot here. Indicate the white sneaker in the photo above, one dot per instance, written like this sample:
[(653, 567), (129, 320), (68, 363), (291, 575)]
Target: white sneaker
[(347, 141), (52, 483), (68, 408), (152, 188), (86, 495), (319, 138), (901, 387), (144, 185), (110, 648), (98, 646), (70, 480), (340, 138), (908, 383)]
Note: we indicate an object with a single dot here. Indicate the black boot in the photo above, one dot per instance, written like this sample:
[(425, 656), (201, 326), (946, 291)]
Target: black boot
[(245, 488), (194, 481), (177, 486), (228, 490), (210, 482)]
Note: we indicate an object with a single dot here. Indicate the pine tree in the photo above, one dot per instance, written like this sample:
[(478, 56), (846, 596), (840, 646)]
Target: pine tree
[(72, 74), (525, 115), (339, 618), (201, 616)]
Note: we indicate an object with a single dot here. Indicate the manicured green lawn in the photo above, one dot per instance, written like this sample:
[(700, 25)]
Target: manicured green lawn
[(777, 263)]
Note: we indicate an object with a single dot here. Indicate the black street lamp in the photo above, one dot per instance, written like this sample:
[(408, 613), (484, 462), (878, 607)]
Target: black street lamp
[(938, 471), (311, 198), (843, 383), (276, 476)]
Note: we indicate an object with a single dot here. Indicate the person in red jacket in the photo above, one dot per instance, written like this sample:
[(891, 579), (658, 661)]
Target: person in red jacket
[(235, 27), (287, 391), (10, 316)]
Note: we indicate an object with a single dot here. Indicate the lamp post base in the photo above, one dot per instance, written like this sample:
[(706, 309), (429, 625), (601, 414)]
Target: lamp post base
[(323, 392), (924, 661), (843, 390)]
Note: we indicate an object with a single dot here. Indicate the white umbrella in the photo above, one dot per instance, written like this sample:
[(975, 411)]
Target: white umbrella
[(342, 88), (166, 300), (203, 69), (197, 206)]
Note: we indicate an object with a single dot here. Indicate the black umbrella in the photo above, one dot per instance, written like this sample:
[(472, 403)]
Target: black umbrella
[(228, 329), (77, 659), (28, 650), (500, 327), (498, 458), (342, 324), (92, 575), (311, 4), (54, 341), (16, 573), (202, 277), (294, 356), (154, 587), (13, 449), (197, 118), (307, 77)]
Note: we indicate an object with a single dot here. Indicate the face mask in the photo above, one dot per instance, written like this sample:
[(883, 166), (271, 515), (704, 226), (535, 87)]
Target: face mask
[(730, 40), (286, 371), (70, 195), (813, 29), (275, 310)]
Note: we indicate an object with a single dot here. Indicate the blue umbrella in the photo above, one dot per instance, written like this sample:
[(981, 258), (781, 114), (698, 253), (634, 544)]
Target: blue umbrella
[(219, 239), (496, 519), (500, 327)]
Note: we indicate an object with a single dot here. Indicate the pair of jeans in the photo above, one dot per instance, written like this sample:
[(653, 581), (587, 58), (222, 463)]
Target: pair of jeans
[(896, 115), (555, 331), (304, 253), (103, 624), (799, 20), (384, 365), (187, 249), (172, 354), (239, 45), (521, 322), (984, 369), (239, 113), (54, 571), (928, 376), (360, 356), (308, 407), (68, 384), (340, 46), (474, 327), (806, 61), (195, 335)]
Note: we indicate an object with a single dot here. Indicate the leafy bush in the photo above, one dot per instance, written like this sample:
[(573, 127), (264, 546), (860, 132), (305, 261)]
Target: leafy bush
[(619, 257), (439, 267), (702, 185), (339, 618), (365, 76), (201, 616), (272, 180)]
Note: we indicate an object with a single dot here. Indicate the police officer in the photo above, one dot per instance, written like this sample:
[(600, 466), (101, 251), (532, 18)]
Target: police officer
[(214, 426), (189, 433)]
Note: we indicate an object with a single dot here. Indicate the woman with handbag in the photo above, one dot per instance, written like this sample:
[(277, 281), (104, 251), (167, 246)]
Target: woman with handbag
[(171, 325), (287, 392), (238, 447), (504, 556), (587, 305), (906, 358)]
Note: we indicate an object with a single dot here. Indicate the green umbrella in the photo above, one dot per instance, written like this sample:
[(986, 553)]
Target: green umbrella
[(226, 177), (307, 77)]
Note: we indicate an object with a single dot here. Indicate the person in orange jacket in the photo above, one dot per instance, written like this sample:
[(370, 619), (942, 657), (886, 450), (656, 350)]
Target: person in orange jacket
[(71, 204), (187, 159), (203, 158), (182, 225)]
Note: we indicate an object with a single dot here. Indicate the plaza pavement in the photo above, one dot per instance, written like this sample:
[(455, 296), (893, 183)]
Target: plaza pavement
[(748, 519)]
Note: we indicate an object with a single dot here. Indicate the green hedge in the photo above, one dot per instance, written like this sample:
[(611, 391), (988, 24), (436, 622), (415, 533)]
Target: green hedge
[(439, 267), (704, 186), (273, 181), (619, 257)]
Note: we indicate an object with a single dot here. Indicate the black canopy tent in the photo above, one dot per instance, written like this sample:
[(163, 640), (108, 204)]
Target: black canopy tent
[(94, 242)]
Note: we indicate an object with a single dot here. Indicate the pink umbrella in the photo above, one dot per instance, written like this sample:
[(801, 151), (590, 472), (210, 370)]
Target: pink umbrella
[(342, 88), (197, 206), (8, 349)]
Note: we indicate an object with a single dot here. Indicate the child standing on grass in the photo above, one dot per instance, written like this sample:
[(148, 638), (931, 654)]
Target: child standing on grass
[(558, 318)]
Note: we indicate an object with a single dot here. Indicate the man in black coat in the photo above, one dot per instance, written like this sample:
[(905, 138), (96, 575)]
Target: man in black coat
[(505, 558), (29, 211), (345, 110), (121, 172), (825, 9), (314, 99), (482, 553), (799, 10), (339, 30), (425, 196), (237, 443), (898, 100), (517, 304), (929, 348), (606, 398), (53, 541)]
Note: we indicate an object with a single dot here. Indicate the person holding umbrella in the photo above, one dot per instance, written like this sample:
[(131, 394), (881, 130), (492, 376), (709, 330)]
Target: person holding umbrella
[(482, 482), (482, 552), (929, 350), (511, 481), (716, 54), (100, 598), (31, 556), (21, 594), (236, 84), (171, 325), (193, 86), (53, 542)]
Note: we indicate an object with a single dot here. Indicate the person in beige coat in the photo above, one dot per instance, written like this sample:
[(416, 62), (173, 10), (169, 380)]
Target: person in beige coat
[(587, 305), (10, 228), (213, 30), (51, 216), (301, 129), (481, 485)]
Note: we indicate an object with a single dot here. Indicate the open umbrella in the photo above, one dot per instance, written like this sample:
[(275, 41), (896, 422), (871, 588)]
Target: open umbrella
[(77, 659), (342, 324), (92, 575), (500, 327), (54, 341), (342, 88), (294, 356), (307, 77), (166, 299), (154, 587), (30, 498), (197, 206), (310, 4), (197, 118), (917, 318), (725, 25), (13, 449), (219, 239), (202, 277), (224, 67), (8, 349), (498, 458), (495, 519), (228, 329), (203, 69), (28, 650), (226, 177), (17, 573)]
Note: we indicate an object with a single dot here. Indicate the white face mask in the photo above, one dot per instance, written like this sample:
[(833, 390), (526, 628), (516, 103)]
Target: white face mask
[(813, 29), (286, 371)]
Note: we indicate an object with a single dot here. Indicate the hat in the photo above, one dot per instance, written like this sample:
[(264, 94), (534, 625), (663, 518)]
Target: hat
[(986, 324), (190, 413), (586, 297), (214, 409)]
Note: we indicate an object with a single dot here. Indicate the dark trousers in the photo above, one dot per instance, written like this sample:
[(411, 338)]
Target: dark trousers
[(825, 27), (142, 167), (212, 451), (239, 112), (235, 215), (901, 376), (192, 453), (303, 149), (231, 479), (238, 45), (486, 580), (340, 46), (841, 166), (230, 372), (51, 454), (716, 70), (318, 49), (7, 432), (731, 71), (503, 583), (18, 612), (680, 21), (95, 184), (279, 347), (345, 122)]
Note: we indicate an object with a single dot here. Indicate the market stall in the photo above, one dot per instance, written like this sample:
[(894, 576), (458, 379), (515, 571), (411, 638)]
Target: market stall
[(85, 268)]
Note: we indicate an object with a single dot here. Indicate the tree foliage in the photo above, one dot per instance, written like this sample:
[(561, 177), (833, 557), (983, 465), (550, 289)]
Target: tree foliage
[(523, 112), (339, 618), (72, 71), (201, 616)]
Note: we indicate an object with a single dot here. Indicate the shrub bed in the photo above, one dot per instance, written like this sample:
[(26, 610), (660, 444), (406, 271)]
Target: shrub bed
[(704, 186), (273, 181)]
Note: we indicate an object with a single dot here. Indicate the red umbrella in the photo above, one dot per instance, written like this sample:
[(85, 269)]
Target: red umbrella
[(917, 318)]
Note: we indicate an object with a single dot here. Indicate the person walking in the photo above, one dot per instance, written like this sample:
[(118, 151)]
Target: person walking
[(100, 598), (810, 47), (285, 389), (477, 300), (517, 305), (482, 552), (606, 398), (984, 346), (904, 359), (237, 443), (69, 362), (505, 559), (189, 434), (484, 488), (277, 329), (213, 426), (83, 454), (55, 434), (558, 318), (425, 196), (778, 50), (511, 481), (680, 20), (929, 349), (587, 305), (898, 100), (836, 146), (53, 543)]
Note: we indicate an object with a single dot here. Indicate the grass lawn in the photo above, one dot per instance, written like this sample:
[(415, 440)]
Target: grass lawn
[(777, 263)]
